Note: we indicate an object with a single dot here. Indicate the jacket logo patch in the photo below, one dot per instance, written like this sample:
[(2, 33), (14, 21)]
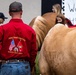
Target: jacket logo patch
[(17, 49), (12, 45)]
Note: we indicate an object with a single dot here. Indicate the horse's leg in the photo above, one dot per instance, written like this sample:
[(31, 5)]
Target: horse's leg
[(43, 65)]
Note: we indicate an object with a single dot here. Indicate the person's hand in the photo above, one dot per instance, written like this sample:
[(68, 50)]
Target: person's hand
[(33, 71)]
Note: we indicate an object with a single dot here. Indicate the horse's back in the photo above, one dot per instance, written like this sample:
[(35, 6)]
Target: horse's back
[(50, 17)]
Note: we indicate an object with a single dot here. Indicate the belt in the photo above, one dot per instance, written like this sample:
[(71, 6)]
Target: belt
[(12, 60)]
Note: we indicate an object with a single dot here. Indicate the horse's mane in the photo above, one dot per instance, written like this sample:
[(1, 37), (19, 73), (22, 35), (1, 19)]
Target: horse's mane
[(41, 25)]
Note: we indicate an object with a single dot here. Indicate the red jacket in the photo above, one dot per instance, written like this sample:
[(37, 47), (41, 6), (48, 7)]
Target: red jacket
[(17, 40)]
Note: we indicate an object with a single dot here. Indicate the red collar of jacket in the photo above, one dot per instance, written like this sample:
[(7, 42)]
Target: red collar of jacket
[(16, 20)]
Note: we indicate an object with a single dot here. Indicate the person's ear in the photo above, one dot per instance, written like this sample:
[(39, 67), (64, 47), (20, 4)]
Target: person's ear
[(21, 12), (9, 13)]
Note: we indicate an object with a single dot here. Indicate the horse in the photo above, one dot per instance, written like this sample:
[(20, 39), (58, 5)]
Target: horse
[(41, 25), (58, 52)]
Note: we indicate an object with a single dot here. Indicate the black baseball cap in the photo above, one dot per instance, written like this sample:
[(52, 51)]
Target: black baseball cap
[(15, 7), (2, 16)]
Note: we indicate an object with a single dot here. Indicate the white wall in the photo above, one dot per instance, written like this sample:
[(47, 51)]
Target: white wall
[(31, 9), (70, 9)]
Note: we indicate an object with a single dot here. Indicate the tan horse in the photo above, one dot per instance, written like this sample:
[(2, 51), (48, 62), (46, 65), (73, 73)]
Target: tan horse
[(58, 52), (41, 25)]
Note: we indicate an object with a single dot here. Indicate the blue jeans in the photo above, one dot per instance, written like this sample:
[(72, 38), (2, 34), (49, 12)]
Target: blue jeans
[(15, 68)]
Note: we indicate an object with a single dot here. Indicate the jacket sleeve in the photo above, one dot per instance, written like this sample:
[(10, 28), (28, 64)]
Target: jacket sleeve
[(33, 51), (1, 36)]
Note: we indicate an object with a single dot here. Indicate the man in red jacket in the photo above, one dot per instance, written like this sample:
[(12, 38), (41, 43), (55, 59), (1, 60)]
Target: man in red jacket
[(17, 44)]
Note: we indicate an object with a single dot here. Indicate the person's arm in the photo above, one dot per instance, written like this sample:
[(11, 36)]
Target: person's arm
[(33, 51), (1, 36)]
